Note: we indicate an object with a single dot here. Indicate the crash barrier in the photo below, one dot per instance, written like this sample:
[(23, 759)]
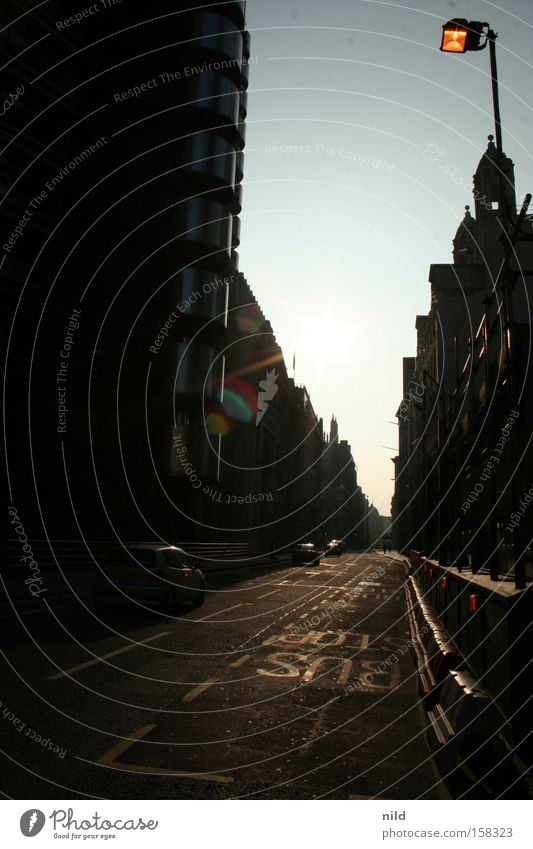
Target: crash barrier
[(466, 730), (207, 551), (74, 554), (435, 650), (414, 559)]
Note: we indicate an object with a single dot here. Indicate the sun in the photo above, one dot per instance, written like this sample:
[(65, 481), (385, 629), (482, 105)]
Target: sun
[(326, 340)]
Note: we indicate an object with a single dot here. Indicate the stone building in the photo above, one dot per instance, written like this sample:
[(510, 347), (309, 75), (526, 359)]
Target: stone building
[(458, 483)]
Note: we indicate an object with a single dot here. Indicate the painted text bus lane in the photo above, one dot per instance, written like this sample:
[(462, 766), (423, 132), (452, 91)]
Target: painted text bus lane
[(345, 659)]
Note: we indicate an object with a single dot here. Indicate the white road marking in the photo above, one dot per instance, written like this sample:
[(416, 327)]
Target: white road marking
[(120, 748), (175, 773), (345, 674), (240, 661), (218, 613), (324, 587), (108, 760), (201, 688), (267, 594), (316, 664), (96, 660)]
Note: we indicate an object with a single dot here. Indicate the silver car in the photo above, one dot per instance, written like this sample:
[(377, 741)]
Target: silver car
[(150, 574), (306, 554)]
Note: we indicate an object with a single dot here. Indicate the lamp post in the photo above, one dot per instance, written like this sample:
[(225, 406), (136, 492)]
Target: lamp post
[(461, 36)]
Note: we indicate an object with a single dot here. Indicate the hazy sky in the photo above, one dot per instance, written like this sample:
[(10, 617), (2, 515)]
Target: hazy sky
[(362, 139)]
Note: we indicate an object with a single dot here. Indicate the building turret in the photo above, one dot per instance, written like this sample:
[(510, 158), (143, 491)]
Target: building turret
[(494, 176)]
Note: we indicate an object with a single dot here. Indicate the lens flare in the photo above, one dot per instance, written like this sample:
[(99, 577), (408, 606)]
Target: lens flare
[(239, 400), (217, 423), (236, 404)]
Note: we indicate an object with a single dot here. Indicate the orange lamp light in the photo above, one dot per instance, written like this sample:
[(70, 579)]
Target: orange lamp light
[(453, 38)]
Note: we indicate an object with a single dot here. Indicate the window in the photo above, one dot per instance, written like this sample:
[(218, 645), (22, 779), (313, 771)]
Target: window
[(175, 558), (144, 558)]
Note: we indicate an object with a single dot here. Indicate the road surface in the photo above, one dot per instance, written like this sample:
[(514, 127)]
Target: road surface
[(289, 682)]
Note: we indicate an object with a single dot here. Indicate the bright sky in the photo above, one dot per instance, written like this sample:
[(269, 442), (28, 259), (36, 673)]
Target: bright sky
[(362, 138)]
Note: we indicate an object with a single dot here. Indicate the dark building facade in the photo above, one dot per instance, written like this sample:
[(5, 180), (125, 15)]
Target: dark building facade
[(462, 505), (123, 156), (346, 514), (465, 420), (146, 395)]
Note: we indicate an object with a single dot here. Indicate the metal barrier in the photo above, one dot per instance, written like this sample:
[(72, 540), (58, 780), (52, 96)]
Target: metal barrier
[(76, 554)]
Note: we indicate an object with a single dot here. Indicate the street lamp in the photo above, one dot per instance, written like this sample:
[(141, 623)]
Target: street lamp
[(461, 36), (453, 38)]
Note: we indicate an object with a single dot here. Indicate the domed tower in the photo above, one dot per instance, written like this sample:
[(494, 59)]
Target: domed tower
[(495, 205), (494, 177), (466, 241)]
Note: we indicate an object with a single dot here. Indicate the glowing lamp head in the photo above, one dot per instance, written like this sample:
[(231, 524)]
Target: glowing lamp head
[(460, 35), (453, 39)]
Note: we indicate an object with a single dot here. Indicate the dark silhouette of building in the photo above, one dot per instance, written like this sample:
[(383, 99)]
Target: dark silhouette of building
[(122, 167), (146, 394), (470, 374), (463, 485), (345, 514)]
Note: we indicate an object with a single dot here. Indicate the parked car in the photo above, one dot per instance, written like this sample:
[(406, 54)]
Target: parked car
[(306, 554), (334, 548), (152, 574)]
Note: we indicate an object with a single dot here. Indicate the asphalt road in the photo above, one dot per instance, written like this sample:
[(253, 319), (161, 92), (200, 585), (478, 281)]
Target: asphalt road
[(291, 683)]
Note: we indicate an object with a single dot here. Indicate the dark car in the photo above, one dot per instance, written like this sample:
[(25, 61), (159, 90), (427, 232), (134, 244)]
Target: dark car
[(306, 554), (334, 548), (150, 574)]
